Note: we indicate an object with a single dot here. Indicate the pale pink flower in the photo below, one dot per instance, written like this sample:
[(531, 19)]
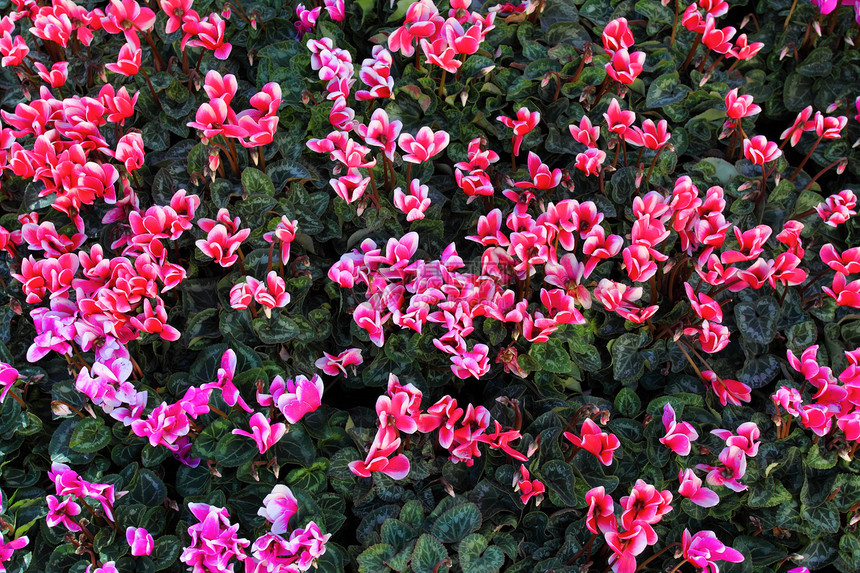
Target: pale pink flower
[(278, 507)]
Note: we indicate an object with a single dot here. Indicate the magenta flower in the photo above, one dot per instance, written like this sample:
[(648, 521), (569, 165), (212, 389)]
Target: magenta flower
[(285, 232), (745, 438), (760, 151), (703, 548), (691, 488), (278, 507), (728, 391), (229, 392), (140, 541), (523, 124), (62, 512), (415, 203), (334, 365), (263, 432), (8, 376), (7, 548), (593, 440), (601, 512), (301, 397), (214, 540), (679, 435), (734, 466)]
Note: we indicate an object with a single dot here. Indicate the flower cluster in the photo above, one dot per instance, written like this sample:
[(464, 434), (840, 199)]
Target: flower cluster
[(459, 431)]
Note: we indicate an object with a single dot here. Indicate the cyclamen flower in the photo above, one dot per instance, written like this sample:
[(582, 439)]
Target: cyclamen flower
[(229, 393), (625, 67), (528, 487), (424, 146), (128, 62), (62, 512), (7, 548), (760, 151), (691, 488), (678, 436), (381, 132), (524, 123), (8, 377), (474, 363), (334, 365), (592, 439), (285, 232), (140, 541), (727, 391), (703, 549), (214, 540), (416, 203), (263, 432), (302, 396), (601, 515), (278, 507), (837, 208)]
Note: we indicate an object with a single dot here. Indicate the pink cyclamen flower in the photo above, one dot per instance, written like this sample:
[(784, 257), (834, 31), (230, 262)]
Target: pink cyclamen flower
[(229, 392), (601, 511), (285, 233), (263, 432), (107, 567), (679, 435), (745, 438), (760, 151), (278, 507), (593, 440), (302, 396), (528, 487), (128, 61), (209, 34), (7, 548), (381, 132), (617, 36), (8, 377), (214, 540), (625, 67), (524, 123), (128, 18), (473, 363), (423, 146), (140, 541), (734, 466), (56, 76), (703, 549), (129, 151), (334, 365), (728, 391), (415, 203), (837, 208), (738, 107), (691, 488), (62, 512), (154, 320)]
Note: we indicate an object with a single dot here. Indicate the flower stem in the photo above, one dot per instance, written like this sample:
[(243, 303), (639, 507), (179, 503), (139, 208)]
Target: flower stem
[(441, 92), (693, 49), (788, 18), (678, 566), (675, 24), (805, 159)]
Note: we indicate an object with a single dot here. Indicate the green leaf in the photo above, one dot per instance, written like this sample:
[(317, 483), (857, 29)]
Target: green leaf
[(559, 479), (757, 321), (665, 90), (275, 330), (627, 403), (147, 488), (166, 551), (90, 436), (817, 64), (476, 557), (824, 518), (552, 356), (373, 559), (758, 372), (428, 553), (255, 181), (627, 362), (234, 450), (457, 523)]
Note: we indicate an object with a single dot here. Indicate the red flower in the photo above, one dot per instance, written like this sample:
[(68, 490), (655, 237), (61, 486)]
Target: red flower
[(593, 440)]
